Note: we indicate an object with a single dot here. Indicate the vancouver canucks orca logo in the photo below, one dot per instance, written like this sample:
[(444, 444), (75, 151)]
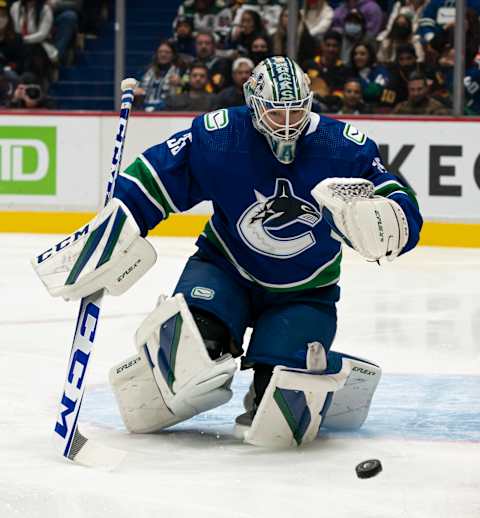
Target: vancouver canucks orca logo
[(258, 224)]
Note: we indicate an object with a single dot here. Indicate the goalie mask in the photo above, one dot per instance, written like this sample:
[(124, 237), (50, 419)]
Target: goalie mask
[(278, 95)]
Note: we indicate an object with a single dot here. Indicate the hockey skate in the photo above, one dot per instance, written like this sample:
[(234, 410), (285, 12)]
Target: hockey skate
[(243, 422)]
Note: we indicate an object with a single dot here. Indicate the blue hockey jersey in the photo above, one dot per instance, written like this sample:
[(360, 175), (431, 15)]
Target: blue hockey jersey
[(266, 226)]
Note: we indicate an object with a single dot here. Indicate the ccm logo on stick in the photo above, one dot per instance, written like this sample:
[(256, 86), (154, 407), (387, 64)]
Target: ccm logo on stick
[(77, 368)]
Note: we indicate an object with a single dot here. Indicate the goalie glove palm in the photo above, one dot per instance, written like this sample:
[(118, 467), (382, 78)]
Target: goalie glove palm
[(374, 226)]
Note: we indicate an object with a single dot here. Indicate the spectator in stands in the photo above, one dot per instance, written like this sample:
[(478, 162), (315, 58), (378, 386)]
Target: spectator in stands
[(269, 11), (372, 77), (318, 16), (354, 32), (352, 101), (259, 50), (183, 41), (411, 8), (206, 15), (29, 94), (306, 44), (197, 99), (12, 52), (369, 8), (400, 34), (233, 95), (218, 68), (471, 81), (419, 102), (162, 79), (439, 15), (66, 15), (445, 40), (251, 26), (396, 90), (33, 20), (326, 70)]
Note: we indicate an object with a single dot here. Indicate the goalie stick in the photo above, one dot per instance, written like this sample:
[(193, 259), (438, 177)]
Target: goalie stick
[(68, 439)]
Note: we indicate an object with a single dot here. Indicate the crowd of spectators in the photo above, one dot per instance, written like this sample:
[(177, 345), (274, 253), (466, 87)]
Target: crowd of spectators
[(362, 56), (36, 37)]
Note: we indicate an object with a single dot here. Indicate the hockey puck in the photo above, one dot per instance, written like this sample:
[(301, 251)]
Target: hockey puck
[(368, 468)]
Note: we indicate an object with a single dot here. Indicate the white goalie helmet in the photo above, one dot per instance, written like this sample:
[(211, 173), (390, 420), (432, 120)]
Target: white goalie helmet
[(278, 95)]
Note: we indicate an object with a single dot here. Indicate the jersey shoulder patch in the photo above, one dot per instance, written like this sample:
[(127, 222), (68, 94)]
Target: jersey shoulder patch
[(216, 120), (352, 133)]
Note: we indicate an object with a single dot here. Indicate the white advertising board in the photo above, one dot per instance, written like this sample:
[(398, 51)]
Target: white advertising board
[(49, 163), (61, 162), (441, 161)]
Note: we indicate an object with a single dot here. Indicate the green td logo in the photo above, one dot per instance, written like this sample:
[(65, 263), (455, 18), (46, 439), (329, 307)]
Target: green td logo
[(28, 160)]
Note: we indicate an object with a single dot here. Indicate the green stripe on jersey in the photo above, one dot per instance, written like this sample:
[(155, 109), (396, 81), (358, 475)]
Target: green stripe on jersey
[(325, 276), (142, 173), (391, 187)]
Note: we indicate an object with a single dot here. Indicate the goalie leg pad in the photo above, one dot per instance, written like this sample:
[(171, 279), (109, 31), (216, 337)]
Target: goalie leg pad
[(350, 405), (292, 407), (184, 381)]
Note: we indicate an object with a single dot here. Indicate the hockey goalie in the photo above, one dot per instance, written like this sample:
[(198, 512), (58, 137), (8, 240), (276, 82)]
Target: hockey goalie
[(289, 188)]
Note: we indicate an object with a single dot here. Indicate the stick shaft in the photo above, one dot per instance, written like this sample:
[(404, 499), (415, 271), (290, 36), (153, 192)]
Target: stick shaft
[(68, 439)]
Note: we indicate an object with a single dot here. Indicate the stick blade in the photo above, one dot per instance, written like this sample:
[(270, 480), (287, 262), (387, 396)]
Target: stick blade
[(92, 454)]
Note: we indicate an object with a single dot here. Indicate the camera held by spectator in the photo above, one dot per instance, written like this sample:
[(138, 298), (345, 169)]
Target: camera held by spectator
[(29, 94)]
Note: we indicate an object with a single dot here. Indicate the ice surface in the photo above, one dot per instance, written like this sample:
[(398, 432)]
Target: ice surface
[(418, 317)]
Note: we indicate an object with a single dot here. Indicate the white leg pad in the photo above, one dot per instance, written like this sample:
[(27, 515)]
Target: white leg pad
[(172, 378), (290, 412), (350, 405)]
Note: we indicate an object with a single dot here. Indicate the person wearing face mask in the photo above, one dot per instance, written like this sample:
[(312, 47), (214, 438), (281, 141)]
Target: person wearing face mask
[(259, 49), (12, 51), (411, 8), (354, 31), (400, 34), (370, 10), (419, 102)]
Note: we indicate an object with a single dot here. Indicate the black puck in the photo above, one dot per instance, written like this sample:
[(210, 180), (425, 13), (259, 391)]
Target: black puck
[(368, 468)]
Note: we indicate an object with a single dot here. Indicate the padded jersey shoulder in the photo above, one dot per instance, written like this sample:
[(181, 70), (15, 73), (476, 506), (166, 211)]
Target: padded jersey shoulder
[(223, 130), (339, 139)]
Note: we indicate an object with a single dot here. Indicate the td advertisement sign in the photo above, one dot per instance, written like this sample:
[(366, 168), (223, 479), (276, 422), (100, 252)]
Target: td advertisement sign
[(28, 160)]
